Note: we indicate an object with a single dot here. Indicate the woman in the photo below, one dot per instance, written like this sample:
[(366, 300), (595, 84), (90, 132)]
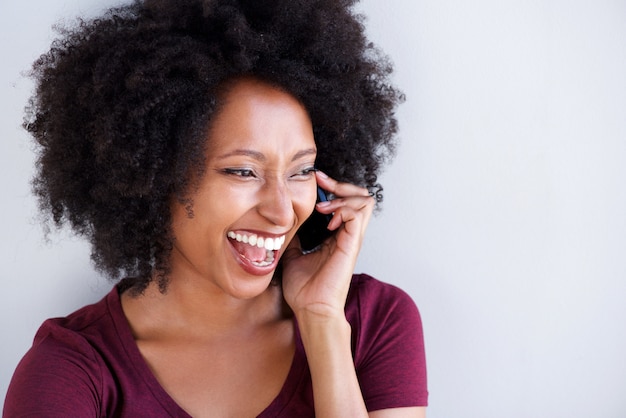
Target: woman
[(187, 144)]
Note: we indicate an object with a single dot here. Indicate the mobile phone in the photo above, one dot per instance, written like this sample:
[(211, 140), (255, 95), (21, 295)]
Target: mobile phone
[(314, 230)]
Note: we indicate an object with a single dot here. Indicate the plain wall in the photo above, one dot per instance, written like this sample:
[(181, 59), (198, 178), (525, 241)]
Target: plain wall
[(504, 213)]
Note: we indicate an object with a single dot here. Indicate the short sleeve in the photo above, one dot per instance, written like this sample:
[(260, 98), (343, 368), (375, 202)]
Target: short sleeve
[(389, 346), (58, 377)]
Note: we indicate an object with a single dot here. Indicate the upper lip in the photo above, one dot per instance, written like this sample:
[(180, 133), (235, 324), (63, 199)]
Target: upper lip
[(257, 233)]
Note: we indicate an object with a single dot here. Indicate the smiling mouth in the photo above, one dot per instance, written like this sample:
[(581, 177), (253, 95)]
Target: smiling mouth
[(258, 250)]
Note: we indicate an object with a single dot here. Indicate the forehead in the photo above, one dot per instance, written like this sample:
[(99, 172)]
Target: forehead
[(256, 114)]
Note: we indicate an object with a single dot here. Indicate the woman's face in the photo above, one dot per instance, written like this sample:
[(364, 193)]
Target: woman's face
[(258, 188)]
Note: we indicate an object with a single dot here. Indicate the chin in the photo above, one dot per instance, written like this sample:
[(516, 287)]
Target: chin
[(245, 288)]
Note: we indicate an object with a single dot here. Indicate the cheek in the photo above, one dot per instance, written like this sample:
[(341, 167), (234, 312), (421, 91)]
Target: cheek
[(193, 223), (304, 197)]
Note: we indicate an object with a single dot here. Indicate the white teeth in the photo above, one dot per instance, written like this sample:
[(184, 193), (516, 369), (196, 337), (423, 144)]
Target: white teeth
[(269, 244)]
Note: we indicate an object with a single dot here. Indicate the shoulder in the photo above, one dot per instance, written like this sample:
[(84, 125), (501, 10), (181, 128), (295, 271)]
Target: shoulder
[(76, 334), (388, 344), (371, 298), (63, 367)]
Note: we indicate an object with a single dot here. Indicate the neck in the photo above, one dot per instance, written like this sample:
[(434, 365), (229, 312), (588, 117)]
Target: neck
[(200, 309)]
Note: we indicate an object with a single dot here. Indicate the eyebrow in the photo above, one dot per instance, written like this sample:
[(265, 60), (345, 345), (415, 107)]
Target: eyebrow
[(259, 156)]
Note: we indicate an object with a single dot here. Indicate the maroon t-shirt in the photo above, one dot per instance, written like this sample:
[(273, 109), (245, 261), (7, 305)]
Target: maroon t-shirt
[(88, 364)]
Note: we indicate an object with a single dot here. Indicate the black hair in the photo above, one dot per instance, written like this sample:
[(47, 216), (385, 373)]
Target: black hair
[(124, 101)]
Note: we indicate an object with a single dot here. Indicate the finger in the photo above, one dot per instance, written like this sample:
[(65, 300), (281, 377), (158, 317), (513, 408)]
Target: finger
[(354, 210), (355, 202), (293, 249), (352, 226), (338, 188)]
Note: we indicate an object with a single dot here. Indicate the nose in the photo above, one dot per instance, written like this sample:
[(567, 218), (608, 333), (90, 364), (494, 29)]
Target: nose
[(276, 203)]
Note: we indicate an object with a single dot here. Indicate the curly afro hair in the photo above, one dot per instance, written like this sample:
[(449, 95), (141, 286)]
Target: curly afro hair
[(123, 104)]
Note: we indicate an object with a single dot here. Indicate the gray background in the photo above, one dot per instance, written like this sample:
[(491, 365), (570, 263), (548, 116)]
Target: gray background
[(504, 214)]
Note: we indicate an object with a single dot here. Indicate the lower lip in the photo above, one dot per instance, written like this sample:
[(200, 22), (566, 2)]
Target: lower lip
[(253, 269)]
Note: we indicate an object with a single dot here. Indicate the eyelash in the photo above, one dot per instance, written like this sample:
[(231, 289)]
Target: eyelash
[(249, 173), (240, 172), (307, 172)]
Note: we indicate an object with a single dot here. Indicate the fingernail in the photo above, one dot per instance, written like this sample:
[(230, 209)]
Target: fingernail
[(322, 174), (322, 204)]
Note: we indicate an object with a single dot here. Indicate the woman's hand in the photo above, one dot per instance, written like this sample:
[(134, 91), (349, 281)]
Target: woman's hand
[(316, 286), (318, 283)]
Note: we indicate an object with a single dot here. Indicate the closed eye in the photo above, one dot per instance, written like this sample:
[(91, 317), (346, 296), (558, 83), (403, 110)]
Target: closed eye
[(240, 172), (305, 173)]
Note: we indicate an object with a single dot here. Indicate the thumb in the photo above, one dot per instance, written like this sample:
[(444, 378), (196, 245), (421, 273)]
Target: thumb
[(292, 251)]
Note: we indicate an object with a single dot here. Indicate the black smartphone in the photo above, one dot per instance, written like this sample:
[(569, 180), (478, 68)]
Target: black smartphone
[(314, 230)]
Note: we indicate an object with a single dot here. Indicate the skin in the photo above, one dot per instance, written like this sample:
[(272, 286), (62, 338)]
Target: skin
[(221, 329)]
